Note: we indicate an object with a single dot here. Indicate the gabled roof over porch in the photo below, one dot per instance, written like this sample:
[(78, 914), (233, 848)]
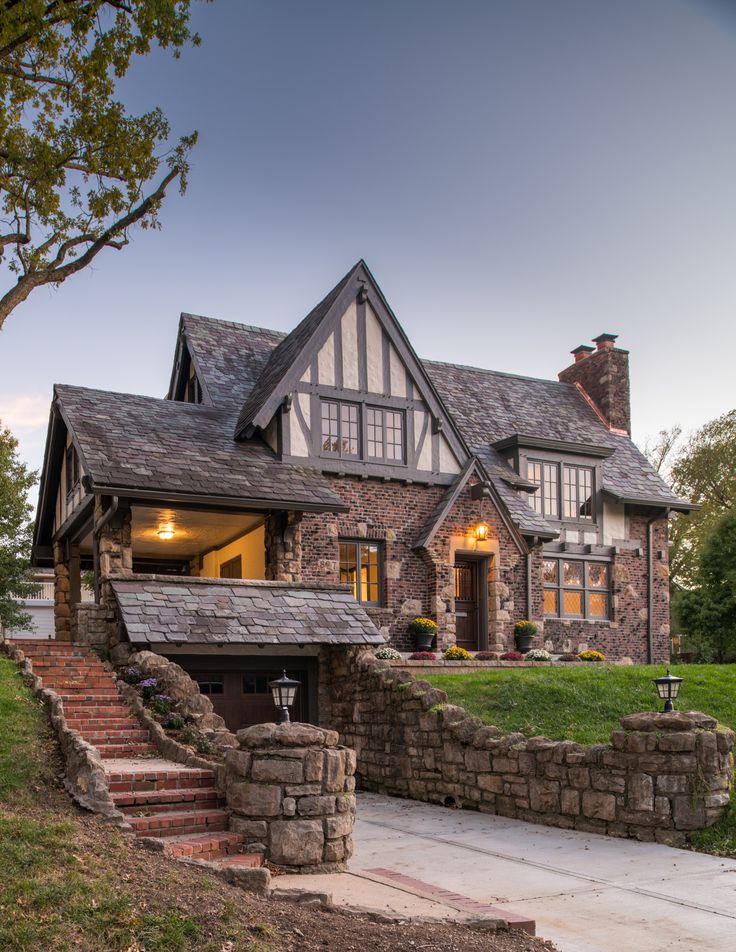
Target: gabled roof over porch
[(158, 609)]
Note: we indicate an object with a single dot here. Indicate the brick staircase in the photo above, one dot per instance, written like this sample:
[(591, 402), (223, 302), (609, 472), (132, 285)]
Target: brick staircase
[(177, 807)]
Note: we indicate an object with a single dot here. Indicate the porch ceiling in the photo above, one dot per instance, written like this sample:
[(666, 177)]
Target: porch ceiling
[(195, 531)]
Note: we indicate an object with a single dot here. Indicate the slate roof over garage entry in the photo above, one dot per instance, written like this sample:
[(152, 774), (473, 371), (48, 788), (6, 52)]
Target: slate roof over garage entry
[(161, 609)]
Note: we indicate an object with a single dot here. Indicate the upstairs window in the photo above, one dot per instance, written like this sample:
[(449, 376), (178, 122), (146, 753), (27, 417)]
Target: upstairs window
[(564, 488), (575, 588), (194, 390), (340, 429), (385, 431), (72, 469), (360, 567)]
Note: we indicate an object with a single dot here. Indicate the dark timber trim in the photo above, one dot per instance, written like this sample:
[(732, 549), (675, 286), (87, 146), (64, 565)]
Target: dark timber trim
[(556, 446)]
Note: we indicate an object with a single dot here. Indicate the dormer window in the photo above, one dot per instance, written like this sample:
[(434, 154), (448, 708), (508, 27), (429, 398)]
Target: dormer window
[(565, 488), (357, 431), (340, 429), (385, 434)]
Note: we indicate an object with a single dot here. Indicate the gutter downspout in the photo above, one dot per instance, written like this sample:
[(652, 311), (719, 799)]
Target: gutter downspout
[(98, 527), (529, 578), (650, 582)]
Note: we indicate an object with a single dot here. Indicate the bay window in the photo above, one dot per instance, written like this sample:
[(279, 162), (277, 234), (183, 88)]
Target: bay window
[(566, 490)]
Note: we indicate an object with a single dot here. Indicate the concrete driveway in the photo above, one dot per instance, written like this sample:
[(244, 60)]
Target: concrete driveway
[(587, 893)]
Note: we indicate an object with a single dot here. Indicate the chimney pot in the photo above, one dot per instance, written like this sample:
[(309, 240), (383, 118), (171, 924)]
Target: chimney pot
[(581, 352), (605, 341)]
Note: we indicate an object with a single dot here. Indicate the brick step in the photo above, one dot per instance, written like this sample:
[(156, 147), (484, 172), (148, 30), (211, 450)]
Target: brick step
[(116, 736), (178, 823), (87, 694), (215, 802), (93, 711), (68, 664), (115, 751), (205, 846), (140, 781), (155, 800), (248, 860), (98, 724), (78, 684)]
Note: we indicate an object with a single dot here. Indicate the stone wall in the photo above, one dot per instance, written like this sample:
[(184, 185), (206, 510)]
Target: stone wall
[(291, 791), (604, 375), (283, 543), (94, 624), (662, 775)]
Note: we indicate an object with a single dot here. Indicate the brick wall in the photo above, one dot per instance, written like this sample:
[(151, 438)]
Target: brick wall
[(662, 775), (604, 375)]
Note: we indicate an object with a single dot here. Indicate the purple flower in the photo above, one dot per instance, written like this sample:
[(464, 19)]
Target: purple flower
[(149, 683)]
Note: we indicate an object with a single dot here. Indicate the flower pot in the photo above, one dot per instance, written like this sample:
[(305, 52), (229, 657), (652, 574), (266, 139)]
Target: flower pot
[(423, 640), (523, 643)]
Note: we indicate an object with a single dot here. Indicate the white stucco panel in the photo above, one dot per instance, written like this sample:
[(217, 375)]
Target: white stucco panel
[(326, 362), (614, 522), (300, 435), (448, 463), (398, 374), (424, 450), (374, 350), (350, 355)]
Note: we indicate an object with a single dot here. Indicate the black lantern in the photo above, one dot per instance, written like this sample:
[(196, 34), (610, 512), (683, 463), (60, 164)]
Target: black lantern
[(284, 692), (668, 688)]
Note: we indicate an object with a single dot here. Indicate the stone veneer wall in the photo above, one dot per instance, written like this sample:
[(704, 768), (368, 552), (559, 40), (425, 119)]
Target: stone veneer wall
[(94, 623), (291, 791), (417, 583), (662, 775)]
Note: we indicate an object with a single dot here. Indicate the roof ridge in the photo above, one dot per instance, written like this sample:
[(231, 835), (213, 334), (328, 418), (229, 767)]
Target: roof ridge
[(497, 373), (238, 324)]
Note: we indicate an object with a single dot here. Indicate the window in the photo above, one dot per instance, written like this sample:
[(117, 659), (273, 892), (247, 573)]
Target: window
[(576, 499), (385, 431), (574, 588), (210, 683), (72, 469), (340, 428), (194, 391), (233, 568), (360, 566)]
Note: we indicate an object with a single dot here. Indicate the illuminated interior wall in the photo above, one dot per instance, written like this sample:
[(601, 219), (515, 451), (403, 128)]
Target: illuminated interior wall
[(252, 550)]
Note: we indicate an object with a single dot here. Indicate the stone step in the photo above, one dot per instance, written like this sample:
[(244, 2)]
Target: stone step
[(177, 823), (206, 846), (167, 800), (140, 781)]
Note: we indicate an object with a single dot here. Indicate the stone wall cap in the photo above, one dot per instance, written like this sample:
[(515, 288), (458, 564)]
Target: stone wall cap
[(286, 735), (674, 721)]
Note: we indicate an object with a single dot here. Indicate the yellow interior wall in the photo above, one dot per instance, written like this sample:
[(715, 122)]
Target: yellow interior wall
[(252, 550)]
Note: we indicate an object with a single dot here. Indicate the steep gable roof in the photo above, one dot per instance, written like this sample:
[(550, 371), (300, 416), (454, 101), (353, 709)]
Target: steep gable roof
[(293, 355)]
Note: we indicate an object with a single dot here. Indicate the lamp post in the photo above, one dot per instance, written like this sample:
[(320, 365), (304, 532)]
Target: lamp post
[(668, 688), (284, 691)]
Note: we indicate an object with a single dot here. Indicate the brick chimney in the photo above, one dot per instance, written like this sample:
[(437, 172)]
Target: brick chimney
[(603, 375)]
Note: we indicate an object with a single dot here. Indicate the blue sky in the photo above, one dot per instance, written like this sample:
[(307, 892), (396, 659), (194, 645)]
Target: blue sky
[(520, 176)]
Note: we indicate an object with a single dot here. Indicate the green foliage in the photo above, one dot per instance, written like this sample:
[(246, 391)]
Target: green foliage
[(22, 721), (719, 839), (583, 703), (704, 471), (525, 628), (16, 531), (708, 610), (74, 163)]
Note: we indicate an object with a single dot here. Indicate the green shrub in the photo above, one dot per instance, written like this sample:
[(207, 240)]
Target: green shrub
[(487, 656)]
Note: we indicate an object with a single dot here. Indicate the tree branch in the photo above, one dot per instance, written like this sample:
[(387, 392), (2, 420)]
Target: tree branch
[(109, 238)]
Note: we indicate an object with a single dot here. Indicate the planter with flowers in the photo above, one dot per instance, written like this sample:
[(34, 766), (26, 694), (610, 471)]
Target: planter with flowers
[(424, 632), (524, 634)]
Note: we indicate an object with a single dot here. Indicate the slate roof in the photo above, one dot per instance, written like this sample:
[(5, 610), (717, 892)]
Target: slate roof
[(230, 357), (163, 609), (147, 444), (490, 406), (285, 353)]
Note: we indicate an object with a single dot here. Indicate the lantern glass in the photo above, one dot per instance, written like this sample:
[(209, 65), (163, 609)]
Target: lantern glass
[(668, 687), (481, 531), (283, 690)]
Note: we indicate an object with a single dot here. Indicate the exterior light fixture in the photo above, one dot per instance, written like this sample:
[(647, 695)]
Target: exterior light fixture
[(668, 688), (284, 691), (166, 533), (482, 531)]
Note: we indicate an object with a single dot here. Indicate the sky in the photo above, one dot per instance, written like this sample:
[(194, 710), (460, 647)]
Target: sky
[(519, 176)]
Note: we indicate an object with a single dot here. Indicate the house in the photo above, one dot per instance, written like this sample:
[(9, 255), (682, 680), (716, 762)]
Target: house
[(296, 495)]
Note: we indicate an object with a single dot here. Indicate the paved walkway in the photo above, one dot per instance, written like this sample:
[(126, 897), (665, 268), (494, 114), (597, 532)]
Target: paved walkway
[(587, 893)]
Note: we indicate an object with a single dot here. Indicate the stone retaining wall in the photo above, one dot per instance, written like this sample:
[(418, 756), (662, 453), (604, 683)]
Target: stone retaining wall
[(662, 775), (291, 791)]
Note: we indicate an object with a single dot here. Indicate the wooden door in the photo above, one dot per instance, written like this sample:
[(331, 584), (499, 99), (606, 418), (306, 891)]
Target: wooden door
[(466, 605)]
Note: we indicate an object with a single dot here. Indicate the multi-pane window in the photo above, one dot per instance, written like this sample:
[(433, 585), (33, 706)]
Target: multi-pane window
[(360, 567), (385, 434), (546, 499), (575, 588), (563, 488), (340, 428), (210, 683)]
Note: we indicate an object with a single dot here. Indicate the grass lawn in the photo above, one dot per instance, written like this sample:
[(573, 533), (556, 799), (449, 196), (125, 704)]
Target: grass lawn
[(584, 704)]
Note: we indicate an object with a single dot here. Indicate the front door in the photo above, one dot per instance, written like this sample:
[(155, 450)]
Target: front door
[(466, 605)]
